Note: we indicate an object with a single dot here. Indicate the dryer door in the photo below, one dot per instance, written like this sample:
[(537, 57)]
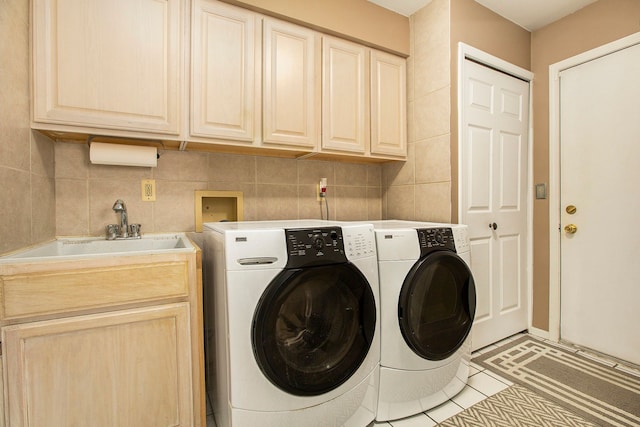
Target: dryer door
[(437, 304), (313, 327)]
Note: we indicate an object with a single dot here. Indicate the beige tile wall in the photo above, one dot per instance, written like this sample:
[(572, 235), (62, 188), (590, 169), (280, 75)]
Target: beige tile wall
[(420, 189), (273, 188), (27, 214)]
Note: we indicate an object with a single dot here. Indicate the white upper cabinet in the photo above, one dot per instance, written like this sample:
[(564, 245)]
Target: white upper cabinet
[(254, 79), (108, 64), (388, 105), (363, 101), (207, 72), (225, 72), (345, 96), (291, 85)]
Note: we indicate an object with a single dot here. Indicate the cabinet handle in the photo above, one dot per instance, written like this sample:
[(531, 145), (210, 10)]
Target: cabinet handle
[(493, 226)]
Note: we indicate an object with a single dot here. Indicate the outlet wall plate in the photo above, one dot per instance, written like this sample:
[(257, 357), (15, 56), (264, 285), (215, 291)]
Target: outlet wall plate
[(148, 189)]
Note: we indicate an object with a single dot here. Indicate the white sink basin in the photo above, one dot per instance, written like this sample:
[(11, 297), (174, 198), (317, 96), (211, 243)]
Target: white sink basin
[(69, 248)]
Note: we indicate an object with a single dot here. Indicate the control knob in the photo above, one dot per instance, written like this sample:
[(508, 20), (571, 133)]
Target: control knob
[(318, 242)]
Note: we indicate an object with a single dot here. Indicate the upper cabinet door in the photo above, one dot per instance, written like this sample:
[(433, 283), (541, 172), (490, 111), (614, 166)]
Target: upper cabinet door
[(225, 72), (291, 112), (345, 96), (388, 105), (108, 64)]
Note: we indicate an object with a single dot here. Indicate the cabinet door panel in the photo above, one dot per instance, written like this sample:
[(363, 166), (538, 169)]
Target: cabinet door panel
[(225, 92), (290, 88), (388, 104), (110, 64), (129, 368), (345, 109)]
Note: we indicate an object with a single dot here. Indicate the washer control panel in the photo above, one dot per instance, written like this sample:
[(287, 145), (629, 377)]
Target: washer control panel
[(314, 246), (433, 239), (359, 242)]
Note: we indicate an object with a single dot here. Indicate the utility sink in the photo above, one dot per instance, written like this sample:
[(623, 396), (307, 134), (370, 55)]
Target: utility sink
[(83, 247)]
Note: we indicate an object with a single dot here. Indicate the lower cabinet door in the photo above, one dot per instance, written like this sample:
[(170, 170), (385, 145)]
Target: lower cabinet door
[(125, 368)]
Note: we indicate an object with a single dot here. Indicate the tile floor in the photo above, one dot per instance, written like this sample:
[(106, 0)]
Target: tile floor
[(482, 384)]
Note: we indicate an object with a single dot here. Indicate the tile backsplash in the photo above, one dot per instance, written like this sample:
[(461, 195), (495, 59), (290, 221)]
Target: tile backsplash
[(273, 188), (27, 197)]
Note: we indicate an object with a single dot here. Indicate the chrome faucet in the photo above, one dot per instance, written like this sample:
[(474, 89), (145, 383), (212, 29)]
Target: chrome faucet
[(119, 206)]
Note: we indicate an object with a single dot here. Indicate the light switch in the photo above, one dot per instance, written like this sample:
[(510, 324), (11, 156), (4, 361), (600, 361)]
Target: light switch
[(541, 191)]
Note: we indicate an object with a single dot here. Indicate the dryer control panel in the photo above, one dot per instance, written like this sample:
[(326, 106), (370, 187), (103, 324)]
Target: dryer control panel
[(314, 246), (434, 239)]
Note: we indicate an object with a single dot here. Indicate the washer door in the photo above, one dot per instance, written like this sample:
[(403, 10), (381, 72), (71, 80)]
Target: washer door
[(437, 304), (313, 328)]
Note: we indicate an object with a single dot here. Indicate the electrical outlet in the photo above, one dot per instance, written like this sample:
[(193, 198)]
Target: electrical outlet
[(321, 189), (148, 190)]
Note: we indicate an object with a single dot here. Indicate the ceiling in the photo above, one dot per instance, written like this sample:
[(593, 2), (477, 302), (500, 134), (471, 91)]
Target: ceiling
[(529, 14)]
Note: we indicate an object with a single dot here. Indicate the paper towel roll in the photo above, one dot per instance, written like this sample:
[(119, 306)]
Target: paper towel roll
[(101, 153)]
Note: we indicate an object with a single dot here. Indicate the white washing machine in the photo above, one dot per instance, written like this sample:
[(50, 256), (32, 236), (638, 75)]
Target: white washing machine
[(295, 337), (428, 299)]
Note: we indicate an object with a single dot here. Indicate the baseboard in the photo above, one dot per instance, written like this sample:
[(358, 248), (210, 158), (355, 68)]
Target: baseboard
[(540, 333)]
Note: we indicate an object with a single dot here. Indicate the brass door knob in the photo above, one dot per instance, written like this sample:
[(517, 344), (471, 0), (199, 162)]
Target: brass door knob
[(570, 228)]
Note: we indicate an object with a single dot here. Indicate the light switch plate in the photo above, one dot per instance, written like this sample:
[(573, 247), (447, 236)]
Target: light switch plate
[(541, 191)]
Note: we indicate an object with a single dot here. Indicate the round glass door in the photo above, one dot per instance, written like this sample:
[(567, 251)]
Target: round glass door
[(313, 327), (437, 304)]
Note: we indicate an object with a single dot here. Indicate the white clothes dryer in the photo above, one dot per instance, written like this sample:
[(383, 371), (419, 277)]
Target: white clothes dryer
[(428, 301), (295, 337)]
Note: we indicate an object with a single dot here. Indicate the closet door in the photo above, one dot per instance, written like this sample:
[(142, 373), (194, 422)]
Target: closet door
[(494, 201)]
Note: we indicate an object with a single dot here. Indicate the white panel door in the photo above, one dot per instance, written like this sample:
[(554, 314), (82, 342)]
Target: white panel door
[(599, 149), (495, 124)]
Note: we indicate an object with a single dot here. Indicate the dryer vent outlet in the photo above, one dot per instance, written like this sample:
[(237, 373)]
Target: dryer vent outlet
[(215, 206)]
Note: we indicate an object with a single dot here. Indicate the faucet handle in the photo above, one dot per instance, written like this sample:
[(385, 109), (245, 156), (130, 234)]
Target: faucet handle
[(112, 231), (135, 230)]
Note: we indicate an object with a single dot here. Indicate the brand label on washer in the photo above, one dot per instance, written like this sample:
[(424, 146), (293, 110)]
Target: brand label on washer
[(241, 239)]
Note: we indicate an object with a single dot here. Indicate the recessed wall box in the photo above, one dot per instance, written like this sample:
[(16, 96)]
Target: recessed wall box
[(215, 206)]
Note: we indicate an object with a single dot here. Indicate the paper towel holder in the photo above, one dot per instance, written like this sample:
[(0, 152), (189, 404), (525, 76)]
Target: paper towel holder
[(118, 154)]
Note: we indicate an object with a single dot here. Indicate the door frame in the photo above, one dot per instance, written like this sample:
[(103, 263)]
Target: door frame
[(554, 168), (466, 51)]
